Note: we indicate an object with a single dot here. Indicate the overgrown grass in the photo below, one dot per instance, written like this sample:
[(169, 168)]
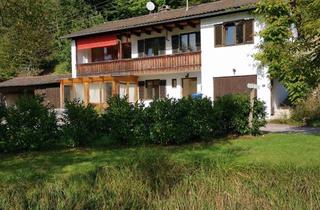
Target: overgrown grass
[(275, 171)]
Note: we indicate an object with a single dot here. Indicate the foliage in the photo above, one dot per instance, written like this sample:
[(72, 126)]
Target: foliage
[(179, 121), (26, 39), (290, 47), (308, 111), (126, 123), (231, 114), (3, 128), (248, 173), (30, 125), (170, 121), (81, 123)]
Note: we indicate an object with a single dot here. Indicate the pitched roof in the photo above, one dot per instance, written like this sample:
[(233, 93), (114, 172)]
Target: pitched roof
[(33, 80), (198, 11)]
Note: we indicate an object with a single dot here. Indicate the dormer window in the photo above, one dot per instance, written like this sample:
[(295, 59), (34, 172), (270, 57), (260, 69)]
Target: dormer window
[(234, 33)]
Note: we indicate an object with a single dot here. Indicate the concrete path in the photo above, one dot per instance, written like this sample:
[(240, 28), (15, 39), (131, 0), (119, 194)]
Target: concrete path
[(282, 128)]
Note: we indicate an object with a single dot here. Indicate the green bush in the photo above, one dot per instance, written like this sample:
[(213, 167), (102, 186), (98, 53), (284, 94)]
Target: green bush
[(231, 113), (30, 125), (308, 111), (125, 122), (179, 121), (81, 124), (3, 129)]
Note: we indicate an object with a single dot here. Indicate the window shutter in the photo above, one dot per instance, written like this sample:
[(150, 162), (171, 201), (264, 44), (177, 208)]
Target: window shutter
[(218, 35), (163, 88), (141, 48), (249, 31), (141, 89)]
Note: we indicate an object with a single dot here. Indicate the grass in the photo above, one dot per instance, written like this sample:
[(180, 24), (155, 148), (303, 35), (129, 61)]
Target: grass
[(275, 171)]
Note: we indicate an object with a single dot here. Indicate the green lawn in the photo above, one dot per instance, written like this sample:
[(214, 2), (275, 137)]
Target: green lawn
[(266, 172)]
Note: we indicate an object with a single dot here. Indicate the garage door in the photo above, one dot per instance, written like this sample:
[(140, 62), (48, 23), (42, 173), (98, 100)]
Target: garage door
[(229, 85)]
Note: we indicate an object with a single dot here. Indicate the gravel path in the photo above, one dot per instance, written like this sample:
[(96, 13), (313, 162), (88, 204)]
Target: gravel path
[(282, 128)]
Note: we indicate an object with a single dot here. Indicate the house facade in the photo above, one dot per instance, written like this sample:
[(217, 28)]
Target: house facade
[(207, 49)]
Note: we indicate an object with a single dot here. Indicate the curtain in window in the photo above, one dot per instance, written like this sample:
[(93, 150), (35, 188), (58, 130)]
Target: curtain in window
[(132, 93), (123, 90), (79, 91), (94, 93)]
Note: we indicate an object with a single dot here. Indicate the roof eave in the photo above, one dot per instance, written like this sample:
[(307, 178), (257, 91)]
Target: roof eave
[(206, 15)]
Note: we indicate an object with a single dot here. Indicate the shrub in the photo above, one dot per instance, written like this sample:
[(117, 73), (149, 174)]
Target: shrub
[(231, 113), (125, 122), (179, 121), (308, 111), (30, 125), (81, 123), (3, 129)]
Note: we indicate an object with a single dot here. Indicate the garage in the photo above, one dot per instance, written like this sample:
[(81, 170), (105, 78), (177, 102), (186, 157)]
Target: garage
[(230, 85)]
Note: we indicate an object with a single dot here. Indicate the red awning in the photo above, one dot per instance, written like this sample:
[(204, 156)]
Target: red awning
[(96, 41)]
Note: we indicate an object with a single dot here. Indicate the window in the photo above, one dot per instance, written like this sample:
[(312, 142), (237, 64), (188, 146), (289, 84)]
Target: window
[(94, 93), (106, 91), (79, 91), (151, 47), (174, 83), (123, 90), (152, 89), (104, 54), (186, 42), (233, 33), (126, 50), (67, 93)]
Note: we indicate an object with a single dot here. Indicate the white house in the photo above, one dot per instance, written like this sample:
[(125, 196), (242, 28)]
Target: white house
[(207, 49)]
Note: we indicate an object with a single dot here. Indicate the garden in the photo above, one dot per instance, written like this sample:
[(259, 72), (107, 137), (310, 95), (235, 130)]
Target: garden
[(174, 154)]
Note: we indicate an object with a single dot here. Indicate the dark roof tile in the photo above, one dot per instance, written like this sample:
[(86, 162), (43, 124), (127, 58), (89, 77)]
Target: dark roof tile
[(213, 8), (33, 80)]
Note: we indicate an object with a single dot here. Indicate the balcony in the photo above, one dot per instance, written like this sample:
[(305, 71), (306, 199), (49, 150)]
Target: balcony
[(184, 62)]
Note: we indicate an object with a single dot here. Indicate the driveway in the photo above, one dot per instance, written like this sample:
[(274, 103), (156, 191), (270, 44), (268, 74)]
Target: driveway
[(282, 128)]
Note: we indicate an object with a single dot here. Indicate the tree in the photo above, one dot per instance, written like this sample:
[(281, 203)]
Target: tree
[(26, 38), (290, 45)]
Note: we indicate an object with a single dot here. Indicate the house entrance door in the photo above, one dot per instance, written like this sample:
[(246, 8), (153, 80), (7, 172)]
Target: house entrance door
[(189, 86)]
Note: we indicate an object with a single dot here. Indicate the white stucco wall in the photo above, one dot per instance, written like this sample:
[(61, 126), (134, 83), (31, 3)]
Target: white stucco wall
[(74, 58), (221, 61), (174, 92)]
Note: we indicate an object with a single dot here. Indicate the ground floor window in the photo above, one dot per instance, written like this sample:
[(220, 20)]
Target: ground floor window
[(152, 89), (98, 90)]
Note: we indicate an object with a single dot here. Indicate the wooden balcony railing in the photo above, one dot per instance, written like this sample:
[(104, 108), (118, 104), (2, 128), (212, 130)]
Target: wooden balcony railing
[(184, 62)]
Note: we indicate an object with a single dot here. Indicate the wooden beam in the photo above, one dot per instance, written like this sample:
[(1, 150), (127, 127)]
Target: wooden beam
[(181, 27), (137, 32), (147, 30), (157, 29)]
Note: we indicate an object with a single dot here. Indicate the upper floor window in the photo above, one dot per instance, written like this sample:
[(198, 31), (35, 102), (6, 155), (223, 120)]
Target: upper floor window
[(104, 54), (234, 33), (186, 42), (151, 47)]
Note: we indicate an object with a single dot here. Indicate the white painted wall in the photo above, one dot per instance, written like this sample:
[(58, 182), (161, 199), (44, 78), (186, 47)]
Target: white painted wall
[(220, 61), (165, 33), (74, 58), (173, 92)]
